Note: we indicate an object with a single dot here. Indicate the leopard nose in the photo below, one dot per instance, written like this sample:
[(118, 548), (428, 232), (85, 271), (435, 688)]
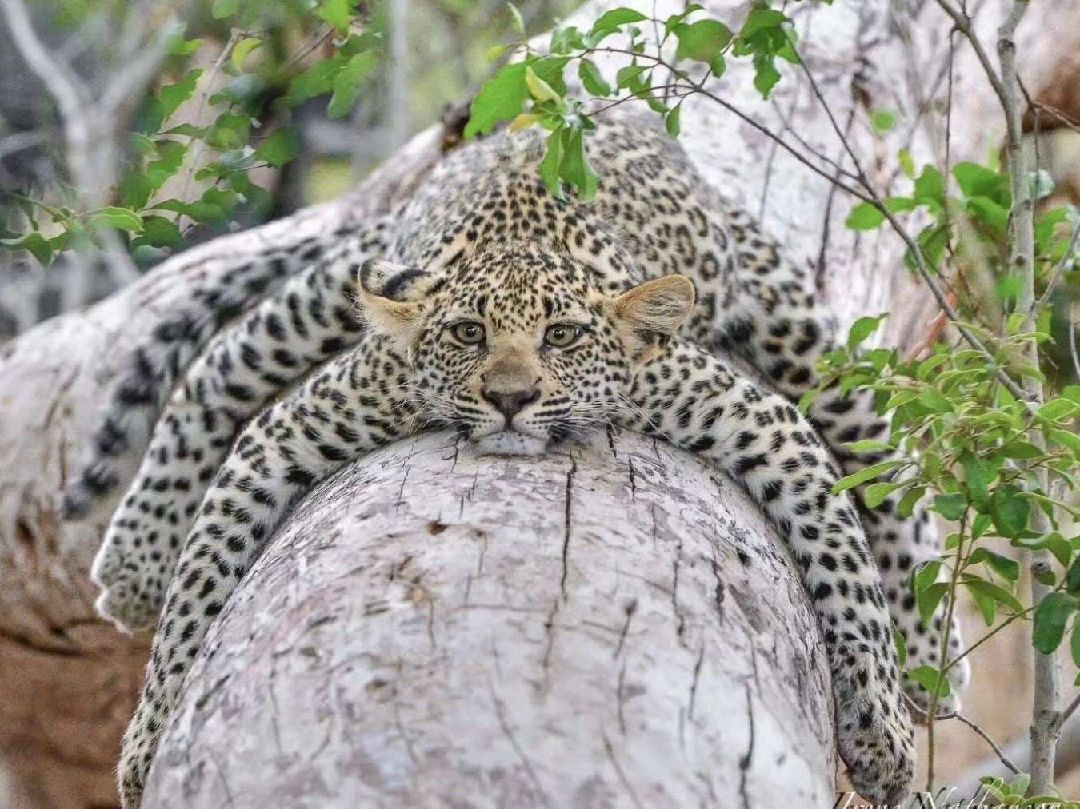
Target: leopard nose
[(510, 403)]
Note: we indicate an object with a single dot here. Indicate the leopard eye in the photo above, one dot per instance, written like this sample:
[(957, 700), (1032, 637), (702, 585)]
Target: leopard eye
[(468, 332), (562, 335)]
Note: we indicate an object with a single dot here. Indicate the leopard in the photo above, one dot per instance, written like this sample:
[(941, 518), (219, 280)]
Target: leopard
[(489, 305)]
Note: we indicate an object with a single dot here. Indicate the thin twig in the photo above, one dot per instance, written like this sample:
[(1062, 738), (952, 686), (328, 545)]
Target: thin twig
[(316, 41), (1004, 759), (1063, 717), (208, 83), (963, 24), (1058, 271)]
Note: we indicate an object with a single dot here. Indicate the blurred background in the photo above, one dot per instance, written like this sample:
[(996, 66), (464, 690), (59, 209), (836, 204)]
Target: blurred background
[(200, 116)]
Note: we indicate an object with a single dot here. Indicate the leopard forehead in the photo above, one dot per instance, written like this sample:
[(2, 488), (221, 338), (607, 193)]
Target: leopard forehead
[(514, 288)]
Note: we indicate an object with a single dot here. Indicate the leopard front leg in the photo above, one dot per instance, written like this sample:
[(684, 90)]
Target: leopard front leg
[(765, 314), (358, 402), (309, 319), (763, 442), (219, 286)]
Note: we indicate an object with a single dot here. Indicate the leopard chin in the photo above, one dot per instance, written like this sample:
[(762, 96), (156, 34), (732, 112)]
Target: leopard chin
[(510, 442)]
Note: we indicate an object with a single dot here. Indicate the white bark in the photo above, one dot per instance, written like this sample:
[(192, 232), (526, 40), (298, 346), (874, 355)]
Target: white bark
[(607, 626), (68, 682)]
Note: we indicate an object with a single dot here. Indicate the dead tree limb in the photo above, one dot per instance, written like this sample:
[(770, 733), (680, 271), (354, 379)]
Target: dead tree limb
[(607, 626)]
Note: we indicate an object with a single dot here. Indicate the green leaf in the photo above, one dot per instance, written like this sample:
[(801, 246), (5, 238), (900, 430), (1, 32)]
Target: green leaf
[(549, 167), (672, 121), (630, 77), (315, 81), (230, 131), (592, 79), (868, 445), (979, 474), (1051, 616), (611, 21), (575, 168), (907, 164), (864, 475), (538, 88), (766, 76), (117, 219), (989, 213), (950, 506), (347, 83), (1054, 542), (906, 506), (864, 216), (702, 41), (1010, 510), (1021, 451), (760, 18), (935, 401), (987, 606), (33, 243), (926, 575), (930, 188), (337, 13), (900, 204), (282, 146), (502, 98), (928, 599), (1072, 579), (1066, 438), (185, 47), (225, 8), (159, 232), (244, 48), (883, 121), (861, 329), (876, 493), (1060, 408), (978, 181), (170, 97), (1074, 646), (932, 680), (1005, 567)]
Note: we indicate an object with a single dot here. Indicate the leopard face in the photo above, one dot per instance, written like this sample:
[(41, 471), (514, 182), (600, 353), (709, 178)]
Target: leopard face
[(514, 346)]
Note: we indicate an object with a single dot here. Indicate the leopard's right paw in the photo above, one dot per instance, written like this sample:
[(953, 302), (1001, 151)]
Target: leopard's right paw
[(877, 743)]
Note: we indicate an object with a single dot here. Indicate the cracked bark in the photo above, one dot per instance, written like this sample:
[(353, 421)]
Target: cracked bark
[(68, 682), (465, 658)]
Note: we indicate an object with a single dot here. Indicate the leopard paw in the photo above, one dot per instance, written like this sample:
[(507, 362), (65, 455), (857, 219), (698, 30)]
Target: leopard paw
[(877, 743)]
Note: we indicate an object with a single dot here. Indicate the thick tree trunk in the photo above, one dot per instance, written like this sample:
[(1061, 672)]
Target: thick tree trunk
[(611, 625), (68, 682)]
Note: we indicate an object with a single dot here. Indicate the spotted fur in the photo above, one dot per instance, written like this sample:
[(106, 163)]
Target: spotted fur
[(519, 319)]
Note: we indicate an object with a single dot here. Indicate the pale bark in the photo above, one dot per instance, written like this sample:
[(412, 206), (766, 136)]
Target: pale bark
[(68, 682), (610, 625)]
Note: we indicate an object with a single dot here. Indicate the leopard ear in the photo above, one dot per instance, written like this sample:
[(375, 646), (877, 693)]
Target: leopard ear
[(391, 297), (655, 308)]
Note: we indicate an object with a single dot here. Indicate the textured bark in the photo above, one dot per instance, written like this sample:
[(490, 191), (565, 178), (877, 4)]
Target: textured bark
[(607, 626), (68, 682)]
